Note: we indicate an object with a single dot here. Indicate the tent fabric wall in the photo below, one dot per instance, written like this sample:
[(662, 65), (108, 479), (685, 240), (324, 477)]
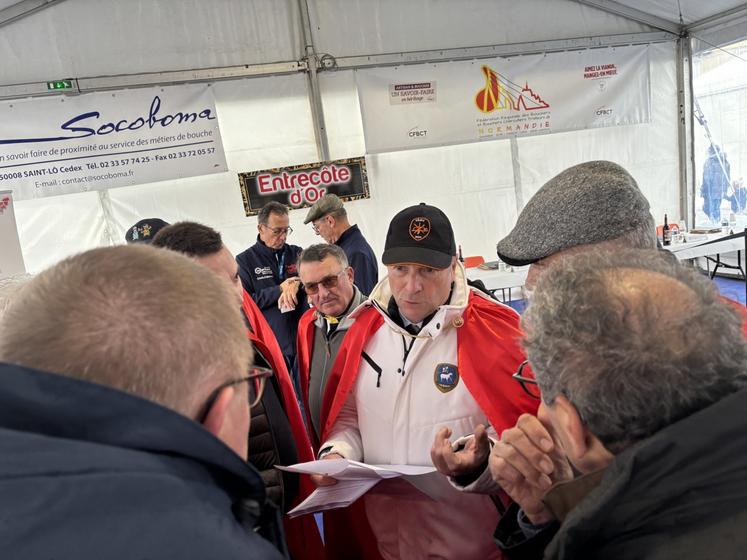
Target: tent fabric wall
[(265, 123), (84, 38), (360, 27)]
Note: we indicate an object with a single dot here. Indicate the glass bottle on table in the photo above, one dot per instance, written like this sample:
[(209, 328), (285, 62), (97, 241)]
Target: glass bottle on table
[(666, 233)]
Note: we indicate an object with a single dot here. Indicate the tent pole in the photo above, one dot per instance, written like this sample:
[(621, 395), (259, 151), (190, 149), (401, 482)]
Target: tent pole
[(315, 96)]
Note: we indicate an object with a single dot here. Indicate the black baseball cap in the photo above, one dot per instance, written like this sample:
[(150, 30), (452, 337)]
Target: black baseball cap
[(145, 230), (420, 235)]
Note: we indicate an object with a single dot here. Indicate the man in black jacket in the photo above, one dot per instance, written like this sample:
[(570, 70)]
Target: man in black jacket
[(269, 273), (134, 447), (329, 219), (642, 371)]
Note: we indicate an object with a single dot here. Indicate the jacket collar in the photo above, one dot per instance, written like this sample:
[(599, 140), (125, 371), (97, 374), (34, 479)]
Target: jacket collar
[(348, 233)]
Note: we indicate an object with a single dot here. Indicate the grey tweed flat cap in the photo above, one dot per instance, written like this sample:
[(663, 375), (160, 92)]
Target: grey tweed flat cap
[(587, 203), (325, 205)]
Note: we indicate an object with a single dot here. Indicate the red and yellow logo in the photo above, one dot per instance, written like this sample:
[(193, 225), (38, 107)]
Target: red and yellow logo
[(501, 94)]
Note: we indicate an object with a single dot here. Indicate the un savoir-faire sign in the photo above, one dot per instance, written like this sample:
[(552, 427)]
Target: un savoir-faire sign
[(303, 185), (96, 141)]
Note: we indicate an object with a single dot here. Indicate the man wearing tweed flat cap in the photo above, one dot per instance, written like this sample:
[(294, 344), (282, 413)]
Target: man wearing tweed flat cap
[(588, 204)]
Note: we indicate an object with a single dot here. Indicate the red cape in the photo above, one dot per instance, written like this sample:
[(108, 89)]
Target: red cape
[(302, 534), (488, 354), (346, 530)]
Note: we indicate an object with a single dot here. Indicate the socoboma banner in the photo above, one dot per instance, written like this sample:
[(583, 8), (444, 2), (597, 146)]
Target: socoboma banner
[(459, 102), (11, 258), (303, 185), (67, 144)]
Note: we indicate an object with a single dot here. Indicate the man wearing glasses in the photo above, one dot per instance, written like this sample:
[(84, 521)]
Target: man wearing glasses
[(424, 351), (269, 273), (124, 414), (639, 451), (279, 435), (329, 219)]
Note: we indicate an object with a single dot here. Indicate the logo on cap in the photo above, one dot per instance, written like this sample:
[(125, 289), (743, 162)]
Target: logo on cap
[(420, 228)]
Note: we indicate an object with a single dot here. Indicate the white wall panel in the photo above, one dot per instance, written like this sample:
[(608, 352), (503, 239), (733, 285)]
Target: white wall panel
[(83, 38)]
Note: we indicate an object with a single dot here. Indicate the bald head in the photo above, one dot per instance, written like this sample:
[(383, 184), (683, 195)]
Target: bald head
[(633, 340), (106, 316)]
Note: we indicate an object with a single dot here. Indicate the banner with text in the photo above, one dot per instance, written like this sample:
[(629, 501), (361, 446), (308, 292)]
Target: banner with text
[(459, 102), (11, 258), (96, 141), (303, 185)]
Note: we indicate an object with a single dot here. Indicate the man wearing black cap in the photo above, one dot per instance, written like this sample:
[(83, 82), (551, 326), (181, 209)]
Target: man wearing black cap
[(329, 219), (425, 351), (145, 230)]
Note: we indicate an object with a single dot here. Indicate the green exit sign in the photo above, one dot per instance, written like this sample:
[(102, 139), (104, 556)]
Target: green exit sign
[(60, 84)]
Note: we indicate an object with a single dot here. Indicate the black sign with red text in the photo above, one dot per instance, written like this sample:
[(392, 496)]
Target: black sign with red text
[(302, 185)]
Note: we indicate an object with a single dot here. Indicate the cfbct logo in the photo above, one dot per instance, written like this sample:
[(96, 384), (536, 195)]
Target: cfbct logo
[(603, 112), (415, 132)]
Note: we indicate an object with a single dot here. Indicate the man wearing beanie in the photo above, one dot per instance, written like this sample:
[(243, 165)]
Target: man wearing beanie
[(425, 352)]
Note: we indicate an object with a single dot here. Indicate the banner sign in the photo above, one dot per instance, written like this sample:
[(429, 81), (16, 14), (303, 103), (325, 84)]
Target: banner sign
[(98, 141), (303, 185), (459, 102), (11, 258)]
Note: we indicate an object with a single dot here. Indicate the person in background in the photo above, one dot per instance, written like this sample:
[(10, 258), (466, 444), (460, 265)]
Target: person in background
[(716, 182), (144, 231), (424, 350), (124, 418), (269, 273), (329, 219), (279, 435), (638, 450)]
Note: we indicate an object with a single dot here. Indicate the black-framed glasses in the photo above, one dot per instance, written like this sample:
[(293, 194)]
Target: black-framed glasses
[(279, 230), (257, 379), (328, 282), (527, 380)]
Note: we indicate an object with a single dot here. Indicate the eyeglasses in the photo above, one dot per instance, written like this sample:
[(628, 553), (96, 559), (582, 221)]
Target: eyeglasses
[(315, 224), (279, 230), (257, 379), (529, 384), (328, 282)]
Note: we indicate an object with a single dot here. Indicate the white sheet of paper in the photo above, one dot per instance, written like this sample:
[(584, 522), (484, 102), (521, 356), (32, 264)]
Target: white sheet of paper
[(355, 479), (339, 495)]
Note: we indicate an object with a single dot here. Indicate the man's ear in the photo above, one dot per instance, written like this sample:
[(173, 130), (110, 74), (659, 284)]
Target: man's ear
[(258, 228), (216, 416), (351, 273)]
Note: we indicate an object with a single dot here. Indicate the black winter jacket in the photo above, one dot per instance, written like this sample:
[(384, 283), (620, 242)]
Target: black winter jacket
[(88, 472), (681, 494)]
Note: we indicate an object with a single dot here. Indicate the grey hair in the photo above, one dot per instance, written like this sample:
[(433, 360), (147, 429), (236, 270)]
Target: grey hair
[(320, 251), (271, 207), (339, 214), (634, 340)]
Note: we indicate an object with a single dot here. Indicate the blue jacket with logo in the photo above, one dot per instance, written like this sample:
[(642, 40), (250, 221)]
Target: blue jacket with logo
[(89, 472), (361, 257), (259, 270)]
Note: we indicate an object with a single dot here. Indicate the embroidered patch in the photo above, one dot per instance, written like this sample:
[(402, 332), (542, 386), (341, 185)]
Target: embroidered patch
[(420, 228), (446, 377)]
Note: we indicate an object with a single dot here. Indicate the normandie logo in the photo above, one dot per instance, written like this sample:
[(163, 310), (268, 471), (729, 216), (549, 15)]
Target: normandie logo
[(501, 94)]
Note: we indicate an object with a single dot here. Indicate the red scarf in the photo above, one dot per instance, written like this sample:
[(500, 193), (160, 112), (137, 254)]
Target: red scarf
[(301, 532)]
